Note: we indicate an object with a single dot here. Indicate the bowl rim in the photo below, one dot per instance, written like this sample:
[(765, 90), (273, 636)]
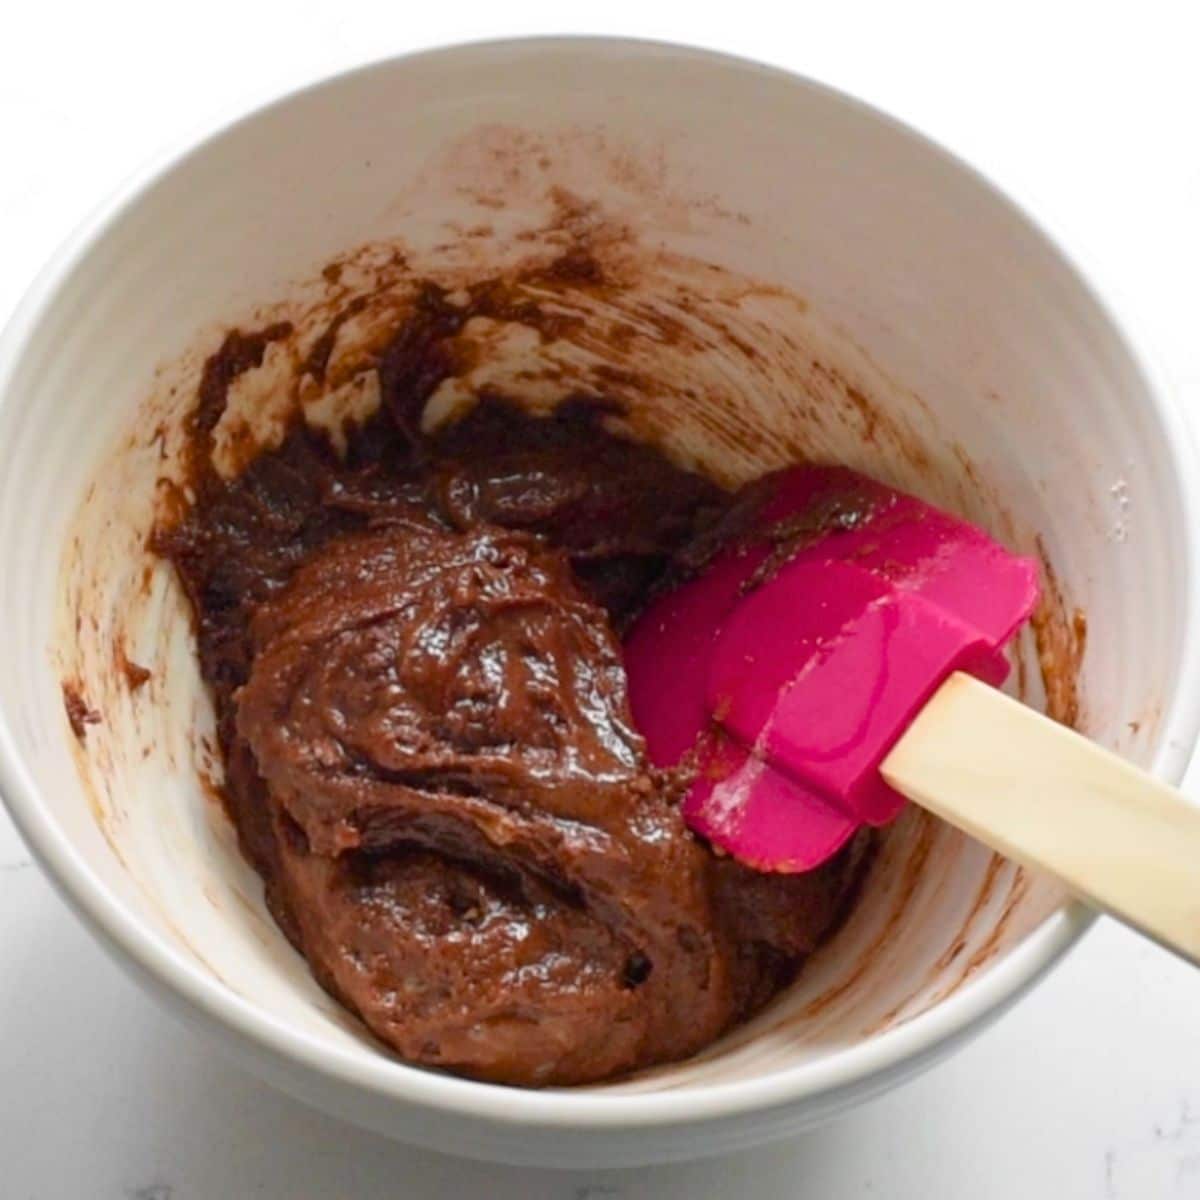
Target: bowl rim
[(887, 1056)]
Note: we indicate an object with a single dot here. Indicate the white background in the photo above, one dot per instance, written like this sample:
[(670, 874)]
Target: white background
[(1092, 1087)]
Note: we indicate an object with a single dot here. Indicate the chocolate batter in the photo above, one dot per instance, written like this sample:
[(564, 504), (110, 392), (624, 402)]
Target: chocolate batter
[(414, 653)]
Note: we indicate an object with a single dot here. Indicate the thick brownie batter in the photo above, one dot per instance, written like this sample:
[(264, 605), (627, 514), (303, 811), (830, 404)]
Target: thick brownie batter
[(414, 654)]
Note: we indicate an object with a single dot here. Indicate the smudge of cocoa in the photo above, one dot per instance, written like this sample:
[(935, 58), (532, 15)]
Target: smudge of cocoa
[(1060, 634), (317, 359), (905, 889), (1022, 677), (214, 791), (419, 357), (969, 469), (135, 675), (485, 199), (956, 948), (80, 713), (239, 352), (987, 950)]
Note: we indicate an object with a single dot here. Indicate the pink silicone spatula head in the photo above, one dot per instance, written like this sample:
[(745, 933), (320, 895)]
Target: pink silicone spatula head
[(789, 667)]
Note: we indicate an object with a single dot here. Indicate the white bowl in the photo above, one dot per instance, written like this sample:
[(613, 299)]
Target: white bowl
[(1001, 384)]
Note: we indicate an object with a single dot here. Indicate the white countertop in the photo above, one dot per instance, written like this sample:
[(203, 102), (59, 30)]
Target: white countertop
[(1091, 1088)]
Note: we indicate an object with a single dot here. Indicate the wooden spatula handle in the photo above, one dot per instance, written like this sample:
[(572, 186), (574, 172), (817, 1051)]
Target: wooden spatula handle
[(1048, 798)]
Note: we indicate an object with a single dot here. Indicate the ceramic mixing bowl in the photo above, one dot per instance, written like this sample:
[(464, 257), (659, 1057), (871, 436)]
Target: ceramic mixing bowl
[(799, 276)]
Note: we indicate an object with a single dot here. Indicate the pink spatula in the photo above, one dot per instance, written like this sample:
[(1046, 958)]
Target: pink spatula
[(837, 660)]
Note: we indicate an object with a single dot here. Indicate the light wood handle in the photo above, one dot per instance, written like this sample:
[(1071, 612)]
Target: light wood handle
[(1048, 798)]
